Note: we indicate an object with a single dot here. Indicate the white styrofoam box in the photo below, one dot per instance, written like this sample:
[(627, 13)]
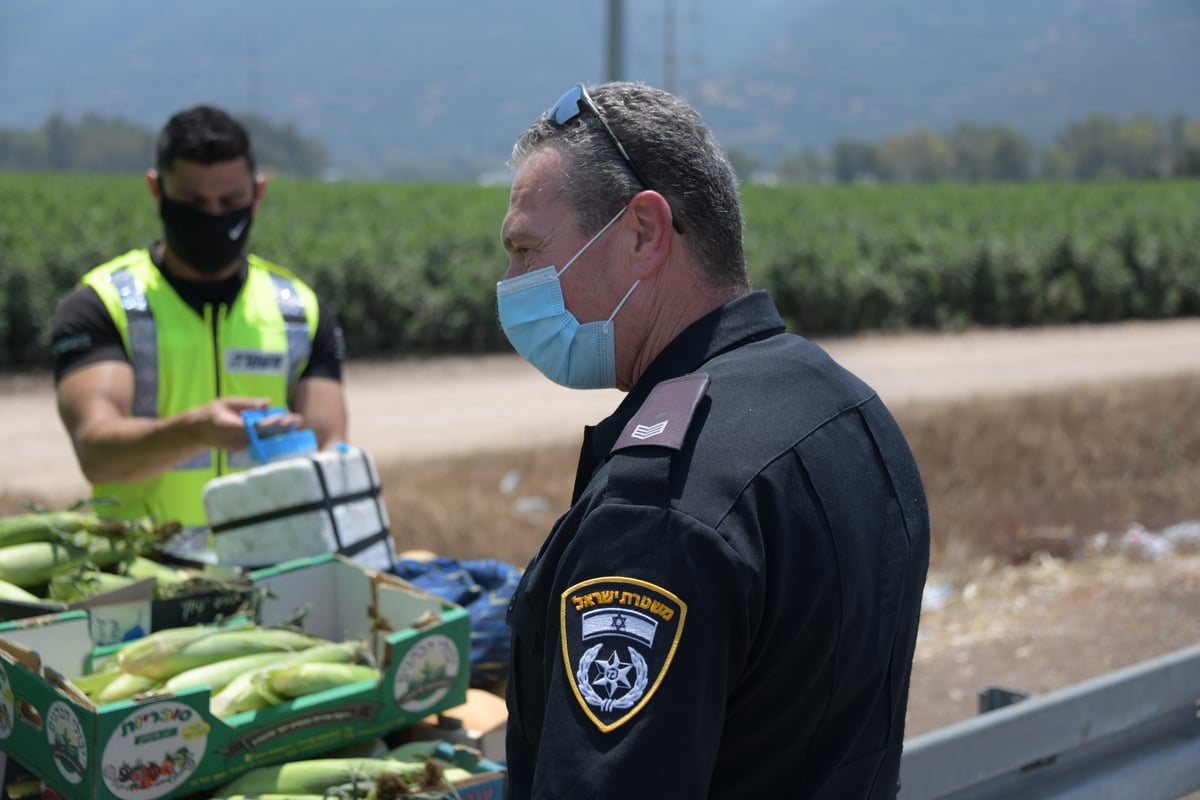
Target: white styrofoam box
[(326, 502)]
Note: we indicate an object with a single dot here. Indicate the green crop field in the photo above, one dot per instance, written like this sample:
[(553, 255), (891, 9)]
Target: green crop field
[(411, 268)]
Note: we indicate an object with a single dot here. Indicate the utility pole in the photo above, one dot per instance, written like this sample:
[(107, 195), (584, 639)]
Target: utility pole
[(252, 70), (669, 52), (616, 40)]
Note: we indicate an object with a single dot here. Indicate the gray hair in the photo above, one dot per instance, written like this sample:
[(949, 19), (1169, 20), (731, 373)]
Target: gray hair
[(675, 151)]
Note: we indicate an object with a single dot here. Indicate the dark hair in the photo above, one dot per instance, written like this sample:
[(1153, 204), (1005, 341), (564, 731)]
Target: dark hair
[(205, 135), (675, 151)]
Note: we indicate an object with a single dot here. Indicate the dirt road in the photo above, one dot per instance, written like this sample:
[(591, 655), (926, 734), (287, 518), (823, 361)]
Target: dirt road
[(453, 406)]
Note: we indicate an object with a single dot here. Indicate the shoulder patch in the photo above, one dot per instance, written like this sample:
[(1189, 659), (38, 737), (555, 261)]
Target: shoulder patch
[(664, 418), (619, 636)]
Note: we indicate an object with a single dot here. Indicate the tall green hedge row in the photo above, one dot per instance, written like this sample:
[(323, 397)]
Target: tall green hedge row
[(845, 259), (412, 268)]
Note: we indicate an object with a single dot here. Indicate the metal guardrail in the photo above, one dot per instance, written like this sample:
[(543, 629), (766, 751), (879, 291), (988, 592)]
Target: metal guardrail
[(1132, 734)]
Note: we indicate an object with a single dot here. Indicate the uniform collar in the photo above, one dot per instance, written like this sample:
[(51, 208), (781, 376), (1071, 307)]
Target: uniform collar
[(749, 318)]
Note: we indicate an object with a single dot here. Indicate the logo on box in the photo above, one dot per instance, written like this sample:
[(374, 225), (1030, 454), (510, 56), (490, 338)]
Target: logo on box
[(64, 734), (427, 673), (154, 750), (6, 705)]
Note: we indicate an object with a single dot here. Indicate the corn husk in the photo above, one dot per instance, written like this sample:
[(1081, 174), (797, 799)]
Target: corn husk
[(248, 691), (216, 676), (183, 649), (35, 563), (10, 591), (123, 687), (303, 679), (47, 526), (140, 567), (320, 775), (92, 683), (71, 586)]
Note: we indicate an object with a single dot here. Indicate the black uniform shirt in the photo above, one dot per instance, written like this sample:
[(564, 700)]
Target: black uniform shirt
[(734, 615)]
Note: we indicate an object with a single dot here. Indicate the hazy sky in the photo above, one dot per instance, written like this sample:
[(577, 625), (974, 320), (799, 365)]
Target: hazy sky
[(378, 76)]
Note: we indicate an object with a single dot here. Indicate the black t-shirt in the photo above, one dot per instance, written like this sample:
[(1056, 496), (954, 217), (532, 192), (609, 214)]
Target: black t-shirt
[(84, 333)]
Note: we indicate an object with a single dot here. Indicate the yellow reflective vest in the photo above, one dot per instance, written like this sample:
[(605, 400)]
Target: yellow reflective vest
[(257, 347)]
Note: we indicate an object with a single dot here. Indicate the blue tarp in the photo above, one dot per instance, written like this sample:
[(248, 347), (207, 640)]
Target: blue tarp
[(483, 587)]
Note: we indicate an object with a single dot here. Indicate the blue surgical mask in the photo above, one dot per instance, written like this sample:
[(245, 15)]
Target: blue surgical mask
[(538, 325)]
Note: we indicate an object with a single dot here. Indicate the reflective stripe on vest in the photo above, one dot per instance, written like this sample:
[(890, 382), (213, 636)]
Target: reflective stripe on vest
[(143, 342), (299, 345)]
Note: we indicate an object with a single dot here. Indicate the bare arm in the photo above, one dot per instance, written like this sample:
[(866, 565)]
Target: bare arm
[(322, 404), (94, 403)]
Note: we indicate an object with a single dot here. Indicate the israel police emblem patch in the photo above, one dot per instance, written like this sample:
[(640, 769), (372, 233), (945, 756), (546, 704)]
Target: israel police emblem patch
[(619, 636)]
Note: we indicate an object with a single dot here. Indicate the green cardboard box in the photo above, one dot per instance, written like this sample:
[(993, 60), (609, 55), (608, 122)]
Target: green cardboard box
[(169, 745), (131, 612), (488, 778)]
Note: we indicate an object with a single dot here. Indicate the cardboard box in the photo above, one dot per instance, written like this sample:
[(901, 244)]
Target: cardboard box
[(131, 612), (169, 745), (480, 723), (488, 777)]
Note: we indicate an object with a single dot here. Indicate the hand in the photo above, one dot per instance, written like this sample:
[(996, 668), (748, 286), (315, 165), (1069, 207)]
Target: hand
[(219, 423), (276, 424)]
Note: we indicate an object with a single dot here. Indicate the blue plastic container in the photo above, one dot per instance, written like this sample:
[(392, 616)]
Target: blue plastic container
[(289, 444)]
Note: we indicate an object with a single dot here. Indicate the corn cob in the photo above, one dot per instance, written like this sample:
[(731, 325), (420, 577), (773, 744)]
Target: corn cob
[(301, 679), (34, 563), (93, 682), (243, 693), (123, 687), (71, 586), (216, 676), (165, 658), (248, 692), (140, 567), (158, 645), (10, 591), (46, 526), (24, 789), (319, 775), (105, 551)]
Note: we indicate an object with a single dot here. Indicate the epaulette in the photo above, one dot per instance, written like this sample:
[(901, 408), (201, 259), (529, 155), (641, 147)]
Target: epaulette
[(663, 419)]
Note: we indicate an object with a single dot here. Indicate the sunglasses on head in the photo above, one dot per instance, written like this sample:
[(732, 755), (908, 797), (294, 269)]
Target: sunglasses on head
[(571, 105)]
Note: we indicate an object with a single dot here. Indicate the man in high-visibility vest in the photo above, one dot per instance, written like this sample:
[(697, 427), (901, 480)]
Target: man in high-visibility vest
[(158, 351)]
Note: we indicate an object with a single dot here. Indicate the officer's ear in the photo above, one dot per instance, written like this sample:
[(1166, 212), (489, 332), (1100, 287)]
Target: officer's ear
[(260, 188), (153, 184), (650, 216)]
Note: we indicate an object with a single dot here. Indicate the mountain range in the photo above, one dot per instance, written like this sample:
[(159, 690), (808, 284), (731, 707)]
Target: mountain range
[(448, 83)]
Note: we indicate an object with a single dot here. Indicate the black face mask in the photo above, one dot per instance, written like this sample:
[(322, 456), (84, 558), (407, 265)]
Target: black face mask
[(206, 242)]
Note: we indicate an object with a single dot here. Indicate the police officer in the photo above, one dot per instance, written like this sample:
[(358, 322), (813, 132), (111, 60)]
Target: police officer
[(729, 607), (159, 350)]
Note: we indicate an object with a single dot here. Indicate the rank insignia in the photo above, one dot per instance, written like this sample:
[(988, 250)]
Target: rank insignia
[(619, 636)]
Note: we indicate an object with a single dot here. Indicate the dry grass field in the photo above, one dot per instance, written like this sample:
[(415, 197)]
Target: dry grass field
[(1018, 488), (1006, 478)]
